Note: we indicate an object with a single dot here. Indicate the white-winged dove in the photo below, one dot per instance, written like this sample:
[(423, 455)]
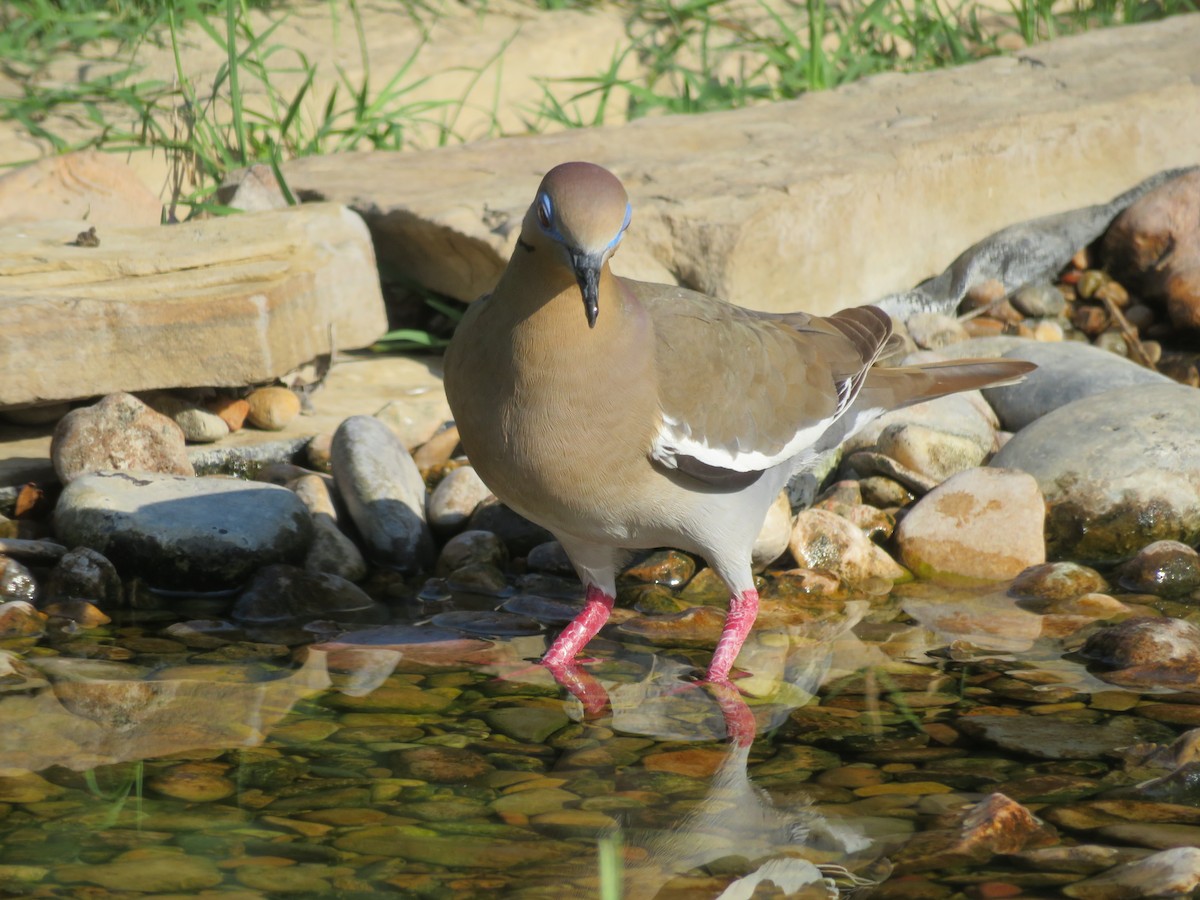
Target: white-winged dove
[(656, 416)]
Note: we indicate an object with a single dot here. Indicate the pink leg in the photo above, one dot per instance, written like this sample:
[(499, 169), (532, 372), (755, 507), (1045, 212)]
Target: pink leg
[(596, 607), (743, 608)]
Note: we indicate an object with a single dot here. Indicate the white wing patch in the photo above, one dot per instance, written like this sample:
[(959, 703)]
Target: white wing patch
[(675, 439)]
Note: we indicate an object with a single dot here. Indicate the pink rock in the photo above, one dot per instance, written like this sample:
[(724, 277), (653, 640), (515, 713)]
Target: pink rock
[(980, 525), (118, 433)]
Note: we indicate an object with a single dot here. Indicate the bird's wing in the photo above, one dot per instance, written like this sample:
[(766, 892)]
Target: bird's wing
[(742, 391)]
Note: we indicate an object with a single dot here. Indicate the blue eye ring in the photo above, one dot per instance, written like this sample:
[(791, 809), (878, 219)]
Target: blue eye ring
[(545, 212), (612, 245)]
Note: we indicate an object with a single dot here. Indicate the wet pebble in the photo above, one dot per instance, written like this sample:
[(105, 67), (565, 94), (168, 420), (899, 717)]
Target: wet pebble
[(980, 525), (1050, 738), (383, 491), (193, 783), (183, 533), (1164, 568), (1148, 649), (19, 618), (272, 408), (669, 568), (972, 836), (473, 547), (16, 581), (479, 578), (1171, 873), (118, 433), (527, 724), (824, 541), (934, 455), (161, 873), (455, 498), (84, 574), (1115, 469), (282, 594), (1057, 582), (440, 765), (549, 558)]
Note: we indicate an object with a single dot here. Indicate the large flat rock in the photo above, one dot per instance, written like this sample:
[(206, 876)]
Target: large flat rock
[(820, 203), (221, 302)]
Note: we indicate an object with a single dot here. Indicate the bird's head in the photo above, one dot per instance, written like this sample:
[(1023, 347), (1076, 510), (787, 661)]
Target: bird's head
[(579, 215)]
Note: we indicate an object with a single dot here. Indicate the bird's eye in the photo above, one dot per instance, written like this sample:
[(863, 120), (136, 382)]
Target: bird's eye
[(543, 212)]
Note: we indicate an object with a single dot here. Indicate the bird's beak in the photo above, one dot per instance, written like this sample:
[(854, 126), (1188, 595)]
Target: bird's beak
[(587, 272)]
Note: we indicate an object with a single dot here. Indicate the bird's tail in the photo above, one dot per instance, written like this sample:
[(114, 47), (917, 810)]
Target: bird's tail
[(889, 388)]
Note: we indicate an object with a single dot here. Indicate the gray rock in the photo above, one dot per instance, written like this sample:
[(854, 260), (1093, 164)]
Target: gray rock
[(199, 425), (84, 574), (180, 533), (518, 533), (472, 548), (331, 550), (287, 594), (552, 559), (118, 433), (455, 498), (1066, 371), (383, 492), (1119, 470)]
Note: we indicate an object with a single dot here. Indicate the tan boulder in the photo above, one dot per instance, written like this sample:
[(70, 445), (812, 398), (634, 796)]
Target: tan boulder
[(834, 199), (224, 302), (88, 185)]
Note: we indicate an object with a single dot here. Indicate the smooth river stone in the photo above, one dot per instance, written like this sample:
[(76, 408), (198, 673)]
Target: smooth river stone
[(180, 533), (384, 493), (1118, 471)]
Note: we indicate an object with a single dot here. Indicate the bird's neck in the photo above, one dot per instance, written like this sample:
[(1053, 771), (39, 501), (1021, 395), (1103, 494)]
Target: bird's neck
[(547, 308)]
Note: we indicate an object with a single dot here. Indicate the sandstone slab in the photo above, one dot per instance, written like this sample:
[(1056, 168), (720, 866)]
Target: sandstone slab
[(852, 193), (222, 302)]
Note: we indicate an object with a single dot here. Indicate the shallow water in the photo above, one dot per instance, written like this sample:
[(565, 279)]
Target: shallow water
[(428, 762)]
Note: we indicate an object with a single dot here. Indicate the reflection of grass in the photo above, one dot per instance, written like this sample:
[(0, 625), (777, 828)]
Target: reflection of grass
[(611, 876), (129, 782)]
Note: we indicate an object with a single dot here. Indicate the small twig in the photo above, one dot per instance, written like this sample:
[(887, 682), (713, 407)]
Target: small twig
[(1129, 333)]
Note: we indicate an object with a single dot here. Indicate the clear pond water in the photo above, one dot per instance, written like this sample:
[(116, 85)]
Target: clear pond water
[(413, 760)]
